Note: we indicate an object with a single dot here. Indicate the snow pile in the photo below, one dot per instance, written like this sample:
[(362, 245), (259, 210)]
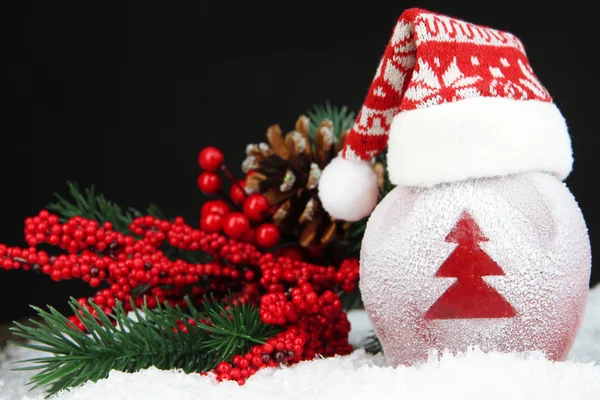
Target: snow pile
[(12, 383), (472, 375)]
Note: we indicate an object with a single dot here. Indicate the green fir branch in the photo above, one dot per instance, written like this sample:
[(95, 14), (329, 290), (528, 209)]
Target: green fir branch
[(91, 205), (341, 118), (153, 338)]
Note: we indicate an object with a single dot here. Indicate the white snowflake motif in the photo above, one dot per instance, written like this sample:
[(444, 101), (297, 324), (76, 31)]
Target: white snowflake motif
[(518, 89), (531, 82), (426, 84), (508, 89)]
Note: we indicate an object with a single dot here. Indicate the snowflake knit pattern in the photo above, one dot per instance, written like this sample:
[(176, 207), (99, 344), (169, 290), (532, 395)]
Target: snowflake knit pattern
[(433, 59)]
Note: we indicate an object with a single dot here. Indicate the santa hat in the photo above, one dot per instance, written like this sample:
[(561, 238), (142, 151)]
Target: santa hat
[(452, 101)]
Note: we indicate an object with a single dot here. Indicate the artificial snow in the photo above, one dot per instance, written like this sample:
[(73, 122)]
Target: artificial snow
[(466, 376), (473, 375)]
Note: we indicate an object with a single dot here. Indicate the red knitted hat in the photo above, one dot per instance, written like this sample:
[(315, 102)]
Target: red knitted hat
[(452, 101)]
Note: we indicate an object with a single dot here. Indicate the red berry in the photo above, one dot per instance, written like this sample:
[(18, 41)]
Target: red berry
[(224, 377), (56, 275), (210, 159), (237, 194), (235, 374), (211, 222), (256, 207), (236, 224), (267, 235), (209, 182), (223, 367), (257, 361), (215, 206), (268, 348)]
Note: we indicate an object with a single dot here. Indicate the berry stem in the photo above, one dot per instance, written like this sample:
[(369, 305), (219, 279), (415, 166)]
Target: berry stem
[(224, 196), (228, 173)]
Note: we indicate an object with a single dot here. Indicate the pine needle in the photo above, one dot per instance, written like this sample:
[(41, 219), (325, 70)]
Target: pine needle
[(91, 205), (341, 118), (153, 339)]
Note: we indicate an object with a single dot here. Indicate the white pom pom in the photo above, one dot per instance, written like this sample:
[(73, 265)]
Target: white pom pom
[(348, 189)]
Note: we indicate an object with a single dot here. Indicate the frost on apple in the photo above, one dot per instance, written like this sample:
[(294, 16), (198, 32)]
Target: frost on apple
[(502, 263)]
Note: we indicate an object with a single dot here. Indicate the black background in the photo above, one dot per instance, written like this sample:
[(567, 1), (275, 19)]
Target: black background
[(124, 96)]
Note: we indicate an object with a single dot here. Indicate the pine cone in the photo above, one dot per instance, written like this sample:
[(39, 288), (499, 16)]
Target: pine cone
[(287, 171)]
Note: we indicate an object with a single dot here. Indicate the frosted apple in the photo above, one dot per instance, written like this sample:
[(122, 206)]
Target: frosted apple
[(480, 243), (500, 263)]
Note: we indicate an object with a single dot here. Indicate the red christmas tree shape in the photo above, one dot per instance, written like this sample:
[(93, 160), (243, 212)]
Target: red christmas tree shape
[(470, 296)]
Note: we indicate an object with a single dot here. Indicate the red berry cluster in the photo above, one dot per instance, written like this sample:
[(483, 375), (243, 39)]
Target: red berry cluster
[(286, 348), (247, 221), (318, 321), (123, 263), (296, 295), (276, 309), (278, 273), (315, 327)]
